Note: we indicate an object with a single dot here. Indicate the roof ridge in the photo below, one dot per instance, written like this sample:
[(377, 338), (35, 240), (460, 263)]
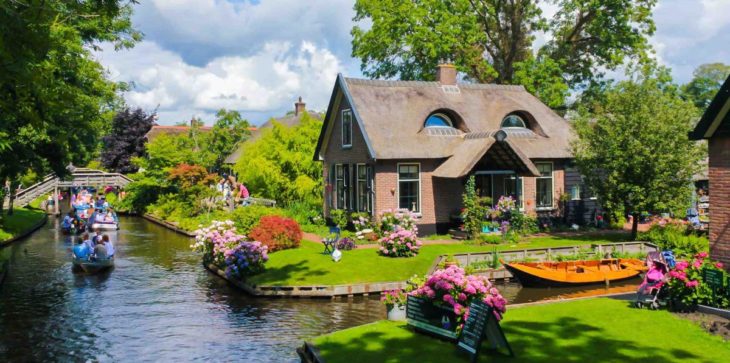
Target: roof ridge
[(398, 83)]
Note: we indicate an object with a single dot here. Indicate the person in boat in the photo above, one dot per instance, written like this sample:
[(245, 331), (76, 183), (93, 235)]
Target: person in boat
[(100, 252), (99, 203), (68, 221), (81, 250), (109, 246), (88, 241), (97, 237)]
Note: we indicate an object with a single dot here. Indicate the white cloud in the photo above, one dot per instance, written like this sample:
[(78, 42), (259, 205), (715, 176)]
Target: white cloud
[(266, 82)]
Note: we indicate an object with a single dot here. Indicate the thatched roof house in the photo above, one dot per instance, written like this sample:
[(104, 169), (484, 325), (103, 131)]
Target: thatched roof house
[(395, 144)]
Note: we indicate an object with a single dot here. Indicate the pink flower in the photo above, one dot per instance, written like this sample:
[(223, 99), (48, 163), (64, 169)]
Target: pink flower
[(462, 296), (692, 283), (719, 265), (682, 265), (702, 255), (697, 264)]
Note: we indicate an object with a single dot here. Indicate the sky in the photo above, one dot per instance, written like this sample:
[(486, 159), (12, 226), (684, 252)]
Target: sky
[(259, 56)]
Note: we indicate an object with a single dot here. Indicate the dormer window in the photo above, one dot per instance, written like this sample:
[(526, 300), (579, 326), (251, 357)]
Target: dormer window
[(438, 120), (513, 121)]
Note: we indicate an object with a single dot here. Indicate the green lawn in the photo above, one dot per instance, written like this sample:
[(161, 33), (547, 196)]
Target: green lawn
[(20, 221), (308, 266), (595, 330)]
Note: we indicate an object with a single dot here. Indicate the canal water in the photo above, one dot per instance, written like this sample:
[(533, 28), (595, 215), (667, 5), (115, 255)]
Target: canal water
[(160, 304)]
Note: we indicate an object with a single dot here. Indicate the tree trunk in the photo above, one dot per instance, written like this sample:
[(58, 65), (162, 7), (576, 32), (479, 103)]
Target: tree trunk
[(11, 198), (2, 196), (634, 226)]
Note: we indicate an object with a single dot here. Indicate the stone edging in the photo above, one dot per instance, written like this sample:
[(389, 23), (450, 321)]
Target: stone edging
[(725, 313), (167, 224), (25, 233), (308, 353), (315, 291)]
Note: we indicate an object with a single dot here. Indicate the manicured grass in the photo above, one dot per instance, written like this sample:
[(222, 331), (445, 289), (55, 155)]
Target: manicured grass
[(19, 222), (595, 330), (308, 266)]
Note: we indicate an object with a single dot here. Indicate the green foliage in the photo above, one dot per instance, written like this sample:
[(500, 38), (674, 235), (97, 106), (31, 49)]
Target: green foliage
[(474, 209), (678, 238), (339, 217), (141, 193), (246, 218), (56, 98), (165, 152), (490, 239), (304, 214), (522, 224), (278, 165), (492, 41), (706, 81), (634, 152), (228, 131)]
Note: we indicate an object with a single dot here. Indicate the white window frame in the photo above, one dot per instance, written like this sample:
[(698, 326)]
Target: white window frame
[(397, 173), (552, 186), (347, 112), (572, 195)]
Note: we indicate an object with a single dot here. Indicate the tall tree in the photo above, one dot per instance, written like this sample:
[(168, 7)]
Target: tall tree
[(54, 97), (126, 140), (634, 151), (229, 130), (706, 81), (493, 40), (278, 165)]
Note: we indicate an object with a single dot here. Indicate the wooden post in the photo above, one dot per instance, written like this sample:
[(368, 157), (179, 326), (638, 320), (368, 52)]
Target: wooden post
[(55, 200)]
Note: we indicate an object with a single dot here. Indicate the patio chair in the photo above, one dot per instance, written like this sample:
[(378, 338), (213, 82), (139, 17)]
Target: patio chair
[(330, 241)]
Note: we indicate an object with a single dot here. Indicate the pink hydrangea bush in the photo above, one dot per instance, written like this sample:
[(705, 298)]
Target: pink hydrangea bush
[(452, 287), (391, 220), (687, 287), (400, 243), (221, 245)]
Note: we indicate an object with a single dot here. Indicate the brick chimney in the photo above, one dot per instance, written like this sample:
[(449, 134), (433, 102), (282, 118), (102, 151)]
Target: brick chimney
[(446, 73), (299, 107)]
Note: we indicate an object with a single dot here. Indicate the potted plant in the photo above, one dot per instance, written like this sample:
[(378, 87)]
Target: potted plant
[(395, 304), (450, 260)]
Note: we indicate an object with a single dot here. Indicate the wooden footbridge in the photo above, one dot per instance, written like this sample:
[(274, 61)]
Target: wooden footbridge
[(79, 177)]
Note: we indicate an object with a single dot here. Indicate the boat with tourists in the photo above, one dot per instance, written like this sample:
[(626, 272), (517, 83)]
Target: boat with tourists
[(93, 266), (572, 273)]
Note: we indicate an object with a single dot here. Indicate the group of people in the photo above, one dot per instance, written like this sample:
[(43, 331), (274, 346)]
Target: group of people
[(232, 192), (97, 248)]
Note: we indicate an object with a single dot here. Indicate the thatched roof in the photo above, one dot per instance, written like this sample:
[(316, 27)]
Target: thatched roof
[(392, 114)]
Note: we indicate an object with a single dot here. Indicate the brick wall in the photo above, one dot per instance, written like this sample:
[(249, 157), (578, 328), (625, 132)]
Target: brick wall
[(720, 199)]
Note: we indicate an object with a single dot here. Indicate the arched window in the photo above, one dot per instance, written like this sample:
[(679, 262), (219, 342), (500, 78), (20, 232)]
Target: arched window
[(438, 120), (513, 121)]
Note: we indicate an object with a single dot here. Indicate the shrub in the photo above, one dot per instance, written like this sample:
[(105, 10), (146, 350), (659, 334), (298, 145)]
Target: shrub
[(221, 245), (346, 244), (339, 218), (491, 239), (247, 217), (452, 287), (304, 214), (521, 223), (391, 221), (277, 233), (401, 243), (687, 286), (677, 238)]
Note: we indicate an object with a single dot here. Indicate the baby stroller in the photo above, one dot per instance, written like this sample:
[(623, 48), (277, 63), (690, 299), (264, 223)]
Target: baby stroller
[(652, 291)]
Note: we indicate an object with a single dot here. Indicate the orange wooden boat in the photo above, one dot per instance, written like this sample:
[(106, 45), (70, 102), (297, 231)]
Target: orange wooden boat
[(571, 273)]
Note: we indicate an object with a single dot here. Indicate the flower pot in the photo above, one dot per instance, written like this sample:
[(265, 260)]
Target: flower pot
[(396, 313)]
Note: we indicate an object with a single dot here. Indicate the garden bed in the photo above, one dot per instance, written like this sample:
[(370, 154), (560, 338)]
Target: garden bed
[(580, 330), (712, 323)]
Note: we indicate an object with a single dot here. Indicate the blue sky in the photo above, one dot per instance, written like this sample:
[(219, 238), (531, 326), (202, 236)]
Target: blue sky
[(258, 56)]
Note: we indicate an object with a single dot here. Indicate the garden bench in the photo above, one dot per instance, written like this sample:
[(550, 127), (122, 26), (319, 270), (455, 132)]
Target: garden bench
[(331, 240)]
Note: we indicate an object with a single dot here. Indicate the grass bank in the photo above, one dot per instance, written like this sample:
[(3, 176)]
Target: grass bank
[(595, 330), (19, 222), (307, 265)]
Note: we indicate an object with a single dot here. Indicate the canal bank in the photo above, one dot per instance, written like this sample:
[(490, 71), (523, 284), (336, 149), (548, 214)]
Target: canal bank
[(21, 224)]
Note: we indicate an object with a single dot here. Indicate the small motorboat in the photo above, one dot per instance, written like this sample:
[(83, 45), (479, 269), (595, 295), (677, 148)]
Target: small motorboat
[(93, 266), (107, 226), (572, 273)]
